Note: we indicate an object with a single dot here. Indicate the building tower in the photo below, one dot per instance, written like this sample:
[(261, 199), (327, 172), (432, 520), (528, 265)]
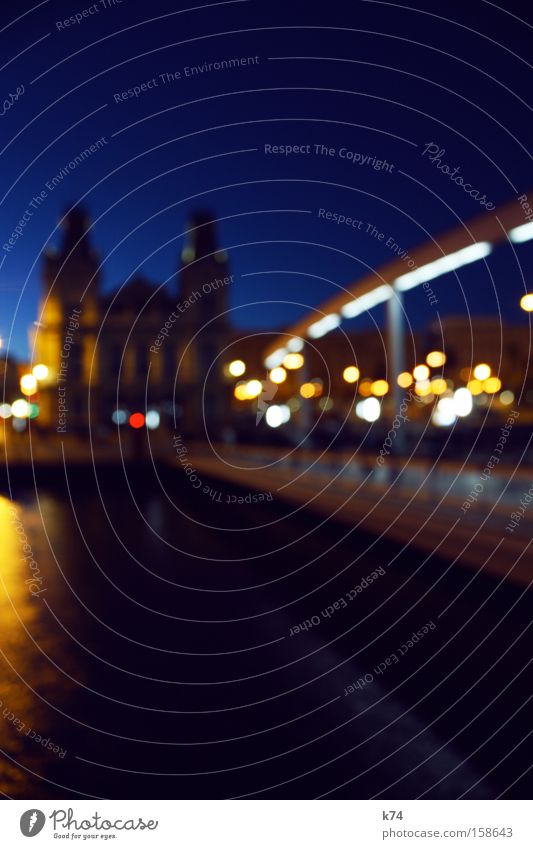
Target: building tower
[(67, 326), (203, 298)]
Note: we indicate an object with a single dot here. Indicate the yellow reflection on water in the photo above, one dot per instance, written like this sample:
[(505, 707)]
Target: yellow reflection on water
[(26, 637)]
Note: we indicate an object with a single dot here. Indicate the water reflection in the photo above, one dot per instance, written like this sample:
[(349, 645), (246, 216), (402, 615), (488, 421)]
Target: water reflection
[(30, 654)]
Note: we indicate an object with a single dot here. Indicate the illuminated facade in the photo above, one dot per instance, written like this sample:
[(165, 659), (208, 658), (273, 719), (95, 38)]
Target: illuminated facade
[(141, 346)]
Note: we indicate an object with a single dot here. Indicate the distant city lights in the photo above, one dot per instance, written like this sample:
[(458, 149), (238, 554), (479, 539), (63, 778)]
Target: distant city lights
[(237, 368), (40, 371), (526, 302), (369, 410), (278, 375), (351, 374), (277, 415), (28, 384), (482, 371), (435, 359), (293, 361)]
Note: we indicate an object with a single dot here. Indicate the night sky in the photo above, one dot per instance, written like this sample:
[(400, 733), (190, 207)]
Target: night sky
[(379, 79)]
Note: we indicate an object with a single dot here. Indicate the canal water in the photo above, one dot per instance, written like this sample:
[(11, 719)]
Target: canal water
[(164, 641)]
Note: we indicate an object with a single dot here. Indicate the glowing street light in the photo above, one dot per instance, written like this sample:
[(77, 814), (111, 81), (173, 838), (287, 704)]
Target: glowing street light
[(526, 302), (323, 325), (28, 384), (351, 374), (379, 388), (404, 379), (254, 388), (237, 368), (40, 371), (435, 359), (421, 372), (443, 265), (523, 233), (20, 409), (293, 361), (482, 371), (278, 375)]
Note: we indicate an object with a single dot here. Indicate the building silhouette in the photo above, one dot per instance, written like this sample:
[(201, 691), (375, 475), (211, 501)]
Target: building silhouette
[(143, 346)]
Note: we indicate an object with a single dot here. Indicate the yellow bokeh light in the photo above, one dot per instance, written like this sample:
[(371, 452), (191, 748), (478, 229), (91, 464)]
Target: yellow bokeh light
[(28, 384), (482, 371), (526, 302), (492, 385), (507, 397), (20, 409), (293, 361), (475, 387), (351, 374), (422, 388), (235, 368), (240, 392), (436, 359), (405, 379), (438, 386), (421, 372), (278, 375), (307, 390), (379, 388), (365, 388), (40, 371), (254, 388)]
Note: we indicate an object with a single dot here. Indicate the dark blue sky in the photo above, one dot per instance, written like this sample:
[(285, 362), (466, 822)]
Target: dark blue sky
[(379, 79)]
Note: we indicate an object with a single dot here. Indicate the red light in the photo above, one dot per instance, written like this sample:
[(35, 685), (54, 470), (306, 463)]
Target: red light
[(137, 420)]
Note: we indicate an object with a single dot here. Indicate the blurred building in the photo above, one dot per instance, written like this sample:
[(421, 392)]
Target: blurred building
[(142, 346)]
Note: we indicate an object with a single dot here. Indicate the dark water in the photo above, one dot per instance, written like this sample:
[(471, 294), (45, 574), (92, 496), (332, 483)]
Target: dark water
[(156, 661)]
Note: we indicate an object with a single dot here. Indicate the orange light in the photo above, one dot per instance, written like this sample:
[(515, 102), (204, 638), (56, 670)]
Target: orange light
[(475, 386), (405, 379), (307, 390), (380, 387), (136, 420), (438, 386), (492, 385), (365, 388)]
